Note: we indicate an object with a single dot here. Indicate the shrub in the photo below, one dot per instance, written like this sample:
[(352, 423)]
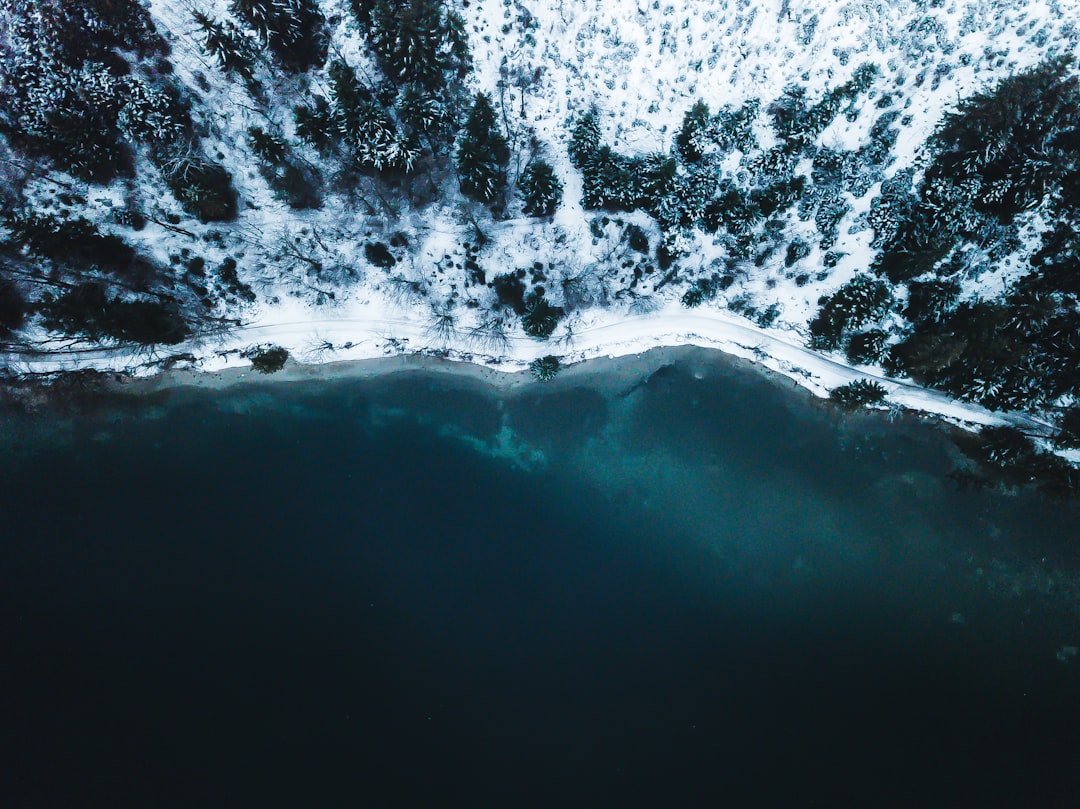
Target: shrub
[(510, 291), (12, 307), (636, 239), (540, 318), (544, 369), (858, 394), (379, 254), (268, 359)]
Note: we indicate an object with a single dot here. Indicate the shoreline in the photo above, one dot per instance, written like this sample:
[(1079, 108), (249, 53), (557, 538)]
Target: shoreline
[(362, 342)]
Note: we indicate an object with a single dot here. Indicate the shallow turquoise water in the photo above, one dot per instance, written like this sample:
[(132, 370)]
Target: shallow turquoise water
[(651, 582)]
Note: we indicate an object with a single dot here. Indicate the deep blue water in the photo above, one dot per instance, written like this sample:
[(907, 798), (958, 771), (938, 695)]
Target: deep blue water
[(683, 586)]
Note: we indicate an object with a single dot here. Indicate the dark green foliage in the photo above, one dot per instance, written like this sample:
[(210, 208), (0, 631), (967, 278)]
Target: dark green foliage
[(367, 124), (271, 148), (860, 301), (732, 210), (293, 182), (609, 181), (541, 188), (293, 30), (656, 183), (510, 291), (415, 41), (71, 97), (779, 196), (831, 210), (800, 124), (868, 347), (233, 49), (544, 369), (1015, 141), (74, 243), (1007, 457), (636, 239), (693, 137), (585, 139), (931, 300), (315, 123), (796, 251), (269, 359), (203, 187), (13, 307), (483, 154), (231, 283), (734, 129), (540, 318), (858, 394), (1068, 436), (86, 310), (379, 254)]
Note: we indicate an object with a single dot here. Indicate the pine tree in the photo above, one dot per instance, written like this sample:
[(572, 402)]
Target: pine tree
[(609, 181), (541, 188), (693, 137), (292, 29), (585, 139), (414, 41), (229, 45), (315, 124), (483, 154)]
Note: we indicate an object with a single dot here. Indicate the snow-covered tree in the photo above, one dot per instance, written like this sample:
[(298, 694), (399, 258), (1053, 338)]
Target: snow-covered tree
[(483, 154), (541, 188)]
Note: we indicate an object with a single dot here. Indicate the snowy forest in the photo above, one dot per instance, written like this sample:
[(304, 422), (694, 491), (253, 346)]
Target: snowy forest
[(169, 166)]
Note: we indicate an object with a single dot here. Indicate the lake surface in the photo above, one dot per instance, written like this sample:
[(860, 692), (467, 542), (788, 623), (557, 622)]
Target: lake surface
[(659, 581)]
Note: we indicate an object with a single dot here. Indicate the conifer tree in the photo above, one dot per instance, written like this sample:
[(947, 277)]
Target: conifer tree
[(541, 188), (584, 139), (292, 29), (230, 46), (483, 154)]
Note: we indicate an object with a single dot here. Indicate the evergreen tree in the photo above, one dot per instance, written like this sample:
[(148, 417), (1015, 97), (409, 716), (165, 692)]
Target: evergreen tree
[(315, 124), (609, 181), (541, 188), (483, 154), (585, 139), (293, 30), (367, 125), (229, 45), (414, 41), (693, 137)]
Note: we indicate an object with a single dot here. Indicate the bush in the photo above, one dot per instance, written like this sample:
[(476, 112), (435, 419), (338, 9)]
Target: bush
[(637, 240), (862, 300), (544, 369), (1068, 436), (858, 394), (540, 318), (12, 307), (510, 291), (87, 310), (268, 360), (379, 254)]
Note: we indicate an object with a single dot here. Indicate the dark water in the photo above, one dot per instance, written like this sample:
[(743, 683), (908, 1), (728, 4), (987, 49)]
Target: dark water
[(678, 586)]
